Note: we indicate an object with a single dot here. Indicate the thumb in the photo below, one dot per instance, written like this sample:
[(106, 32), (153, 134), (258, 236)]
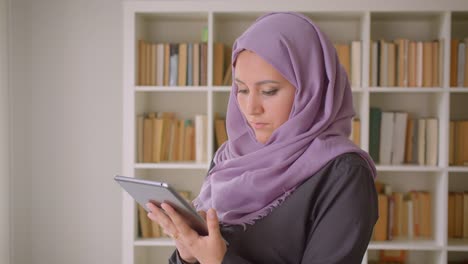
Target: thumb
[(213, 223)]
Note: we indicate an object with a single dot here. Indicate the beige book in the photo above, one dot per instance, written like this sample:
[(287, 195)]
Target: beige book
[(383, 78), (152, 70), (155, 229), (459, 215), (454, 62), (432, 140), (402, 62), (452, 143), (409, 141), (157, 139), (145, 222), (174, 147), (397, 214), (419, 63), (201, 140), (148, 138), (167, 55), (182, 64), (421, 142), (344, 56), (461, 143), (427, 64), (148, 64), (140, 137), (412, 64), (181, 128), (160, 64), (196, 64), (426, 214), (356, 132), (391, 76), (416, 213), (435, 63), (189, 148), (404, 218), (218, 63), (451, 215), (465, 81), (380, 228), (465, 215), (141, 63)]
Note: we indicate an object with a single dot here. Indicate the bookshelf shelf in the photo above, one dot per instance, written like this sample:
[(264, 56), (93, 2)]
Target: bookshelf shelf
[(405, 245), (458, 169), (406, 90), (457, 245), (162, 165), (221, 88), (171, 89), (187, 21), (458, 89), (154, 242)]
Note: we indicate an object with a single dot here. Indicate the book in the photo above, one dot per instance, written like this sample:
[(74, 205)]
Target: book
[(454, 62), (182, 65), (386, 138), (374, 133), (356, 63), (432, 140), (399, 138)]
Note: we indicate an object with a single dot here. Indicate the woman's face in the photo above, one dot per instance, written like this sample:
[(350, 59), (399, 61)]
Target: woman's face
[(265, 97)]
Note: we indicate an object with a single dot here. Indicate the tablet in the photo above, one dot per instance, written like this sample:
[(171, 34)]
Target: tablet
[(144, 191)]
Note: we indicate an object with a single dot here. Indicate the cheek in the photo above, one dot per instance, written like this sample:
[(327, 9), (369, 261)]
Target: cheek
[(280, 111)]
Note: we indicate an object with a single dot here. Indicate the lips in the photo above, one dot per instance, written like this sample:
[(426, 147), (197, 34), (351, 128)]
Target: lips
[(258, 125)]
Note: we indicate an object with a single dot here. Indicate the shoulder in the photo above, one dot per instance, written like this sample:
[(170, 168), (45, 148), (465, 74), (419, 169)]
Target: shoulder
[(346, 170), (348, 164)]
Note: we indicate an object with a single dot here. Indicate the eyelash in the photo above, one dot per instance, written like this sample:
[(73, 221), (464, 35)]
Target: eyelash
[(267, 93)]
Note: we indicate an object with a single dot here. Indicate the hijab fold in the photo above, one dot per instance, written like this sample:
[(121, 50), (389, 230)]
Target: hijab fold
[(249, 179)]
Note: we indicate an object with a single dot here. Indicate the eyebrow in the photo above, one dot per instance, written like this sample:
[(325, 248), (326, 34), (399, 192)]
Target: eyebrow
[(259, 82)]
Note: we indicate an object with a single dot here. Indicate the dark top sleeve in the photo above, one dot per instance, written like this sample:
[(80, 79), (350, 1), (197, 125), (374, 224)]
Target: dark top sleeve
[(342, 225)]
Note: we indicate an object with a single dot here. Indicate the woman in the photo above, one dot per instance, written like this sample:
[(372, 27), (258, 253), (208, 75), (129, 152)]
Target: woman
[(288, 186)]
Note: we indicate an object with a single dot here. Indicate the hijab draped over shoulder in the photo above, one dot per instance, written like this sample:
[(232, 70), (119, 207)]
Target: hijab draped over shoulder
[(249, 179)]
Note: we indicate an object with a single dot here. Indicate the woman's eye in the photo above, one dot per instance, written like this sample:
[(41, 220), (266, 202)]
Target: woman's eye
[(270, 92), (242, 91)]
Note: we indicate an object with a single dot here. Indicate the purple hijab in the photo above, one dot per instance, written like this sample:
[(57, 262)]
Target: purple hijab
[(249, 178)]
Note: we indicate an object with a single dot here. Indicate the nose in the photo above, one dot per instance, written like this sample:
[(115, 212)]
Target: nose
[(254, 104)]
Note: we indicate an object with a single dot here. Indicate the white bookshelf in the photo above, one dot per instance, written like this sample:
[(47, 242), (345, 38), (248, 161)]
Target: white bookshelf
[(183, 21)]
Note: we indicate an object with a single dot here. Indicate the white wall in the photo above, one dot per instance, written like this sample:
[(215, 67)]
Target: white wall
[(4, 138), (67, 123)]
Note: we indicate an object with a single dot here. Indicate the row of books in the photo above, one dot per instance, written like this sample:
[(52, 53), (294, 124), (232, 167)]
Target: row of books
[(149, 229), (403, 215), (459, 63), (182, 64), (458, 145), (163, 137), (395, 138), (390, 257), (172, 64), (458, 215), (349, 55), (405, 63)]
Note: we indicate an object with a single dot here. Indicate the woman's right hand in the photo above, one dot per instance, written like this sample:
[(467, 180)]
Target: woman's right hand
[(184, 253), (158, 216)]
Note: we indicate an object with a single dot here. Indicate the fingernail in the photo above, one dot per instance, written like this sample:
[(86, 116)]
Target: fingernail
[(212, 213)]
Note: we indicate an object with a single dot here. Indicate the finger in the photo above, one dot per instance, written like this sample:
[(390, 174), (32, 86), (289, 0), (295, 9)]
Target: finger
[(186, 232), (213, 223), (202, 214), (162, 219)]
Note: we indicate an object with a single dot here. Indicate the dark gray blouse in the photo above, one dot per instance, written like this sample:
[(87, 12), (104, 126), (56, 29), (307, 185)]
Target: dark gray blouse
[(328, 219)]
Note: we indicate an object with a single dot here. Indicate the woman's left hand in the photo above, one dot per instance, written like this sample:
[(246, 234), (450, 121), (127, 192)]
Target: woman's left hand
[(206, 249)]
